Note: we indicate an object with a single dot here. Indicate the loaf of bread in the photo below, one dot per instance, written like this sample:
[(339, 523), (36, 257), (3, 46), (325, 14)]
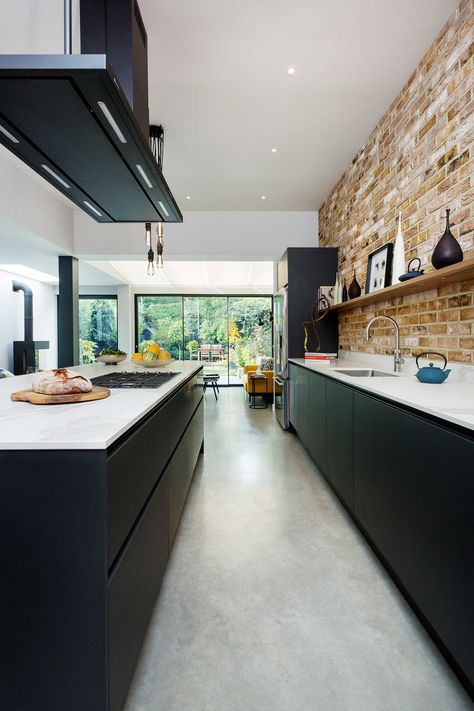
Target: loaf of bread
[(61, 382)]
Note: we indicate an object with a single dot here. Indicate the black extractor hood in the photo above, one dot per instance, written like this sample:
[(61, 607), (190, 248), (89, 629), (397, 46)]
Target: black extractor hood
[(81, 120)]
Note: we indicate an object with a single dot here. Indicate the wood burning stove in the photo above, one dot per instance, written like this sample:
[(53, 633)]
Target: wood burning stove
[(25, 353)]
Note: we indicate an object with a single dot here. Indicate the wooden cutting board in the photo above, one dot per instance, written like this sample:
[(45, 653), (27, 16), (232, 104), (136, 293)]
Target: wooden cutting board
[(98, 393)]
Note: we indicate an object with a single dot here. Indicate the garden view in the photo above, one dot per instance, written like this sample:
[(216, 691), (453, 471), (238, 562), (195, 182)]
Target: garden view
[(223, 332)]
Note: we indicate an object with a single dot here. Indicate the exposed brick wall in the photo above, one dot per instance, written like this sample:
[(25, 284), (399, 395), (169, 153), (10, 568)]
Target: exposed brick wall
[(418, 160)]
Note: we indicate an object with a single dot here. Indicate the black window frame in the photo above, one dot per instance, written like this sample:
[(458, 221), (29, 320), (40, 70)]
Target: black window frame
[(113, 297), (138, 295)]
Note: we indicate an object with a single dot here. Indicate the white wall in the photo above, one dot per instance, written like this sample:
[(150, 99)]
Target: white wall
[(27, 202), (11, 319), (203, 235)]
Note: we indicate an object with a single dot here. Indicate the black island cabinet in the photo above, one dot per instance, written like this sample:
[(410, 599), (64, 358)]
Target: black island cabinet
[(408, 483), (86, 537)]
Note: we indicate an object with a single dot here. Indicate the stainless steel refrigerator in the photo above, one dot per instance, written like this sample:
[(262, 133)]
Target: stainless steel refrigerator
[(301, 271), (280, 344)]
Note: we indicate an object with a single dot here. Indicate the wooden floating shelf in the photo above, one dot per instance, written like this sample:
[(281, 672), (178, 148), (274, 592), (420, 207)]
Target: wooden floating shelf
[(432, 280)]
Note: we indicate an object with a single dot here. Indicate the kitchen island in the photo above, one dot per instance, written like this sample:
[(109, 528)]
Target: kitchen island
[(91, 496)]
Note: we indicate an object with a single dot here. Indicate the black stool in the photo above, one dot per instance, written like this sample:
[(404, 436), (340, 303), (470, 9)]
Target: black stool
[(212, 380)]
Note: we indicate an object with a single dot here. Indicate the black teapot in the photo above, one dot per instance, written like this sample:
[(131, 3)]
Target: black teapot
[(411, 273)]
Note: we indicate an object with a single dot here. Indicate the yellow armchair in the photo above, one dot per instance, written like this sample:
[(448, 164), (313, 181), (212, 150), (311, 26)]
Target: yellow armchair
[(261, 386)]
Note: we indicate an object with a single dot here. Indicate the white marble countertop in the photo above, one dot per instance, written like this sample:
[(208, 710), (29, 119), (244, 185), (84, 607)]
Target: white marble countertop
[(85, 425), (452, 401)]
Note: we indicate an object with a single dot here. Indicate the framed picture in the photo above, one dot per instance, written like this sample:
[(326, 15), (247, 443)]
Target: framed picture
[(379, 268), (326, 292)]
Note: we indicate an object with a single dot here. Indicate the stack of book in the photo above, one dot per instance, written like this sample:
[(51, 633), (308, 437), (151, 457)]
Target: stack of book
[(320, 356)]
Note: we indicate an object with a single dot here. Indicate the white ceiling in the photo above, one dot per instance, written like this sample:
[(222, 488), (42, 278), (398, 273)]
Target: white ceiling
[(219, 86), (195, 276)]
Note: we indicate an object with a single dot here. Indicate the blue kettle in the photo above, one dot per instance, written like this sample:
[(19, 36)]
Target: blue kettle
[(432, 374)]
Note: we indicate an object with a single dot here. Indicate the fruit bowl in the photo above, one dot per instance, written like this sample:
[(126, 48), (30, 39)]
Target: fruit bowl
[(111, 359), (152, 363)]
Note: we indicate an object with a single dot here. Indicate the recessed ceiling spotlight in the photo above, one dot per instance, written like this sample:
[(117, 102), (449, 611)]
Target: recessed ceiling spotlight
[(274, 150), (264, 197), (291, 70), (188, 197)]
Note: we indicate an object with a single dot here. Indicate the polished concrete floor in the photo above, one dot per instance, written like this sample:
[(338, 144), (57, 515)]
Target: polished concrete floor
[(272, 601)]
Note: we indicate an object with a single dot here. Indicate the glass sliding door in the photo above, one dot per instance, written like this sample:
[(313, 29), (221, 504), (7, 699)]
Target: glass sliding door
[(159, 319), (205, 333), (224, 333), (97, 326), (250, 332)]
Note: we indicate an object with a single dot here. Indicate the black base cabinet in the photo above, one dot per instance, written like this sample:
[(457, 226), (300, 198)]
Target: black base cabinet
[(438, 533), (85, 539), (180, 471), (340, 440), (317, 421), (408, 482), (293, 372), (378, 473), (299, 413), (132, 592)]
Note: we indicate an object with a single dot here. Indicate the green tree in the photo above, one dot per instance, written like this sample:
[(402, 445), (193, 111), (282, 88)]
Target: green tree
[(86, 351), (98, 322), (234, 333)]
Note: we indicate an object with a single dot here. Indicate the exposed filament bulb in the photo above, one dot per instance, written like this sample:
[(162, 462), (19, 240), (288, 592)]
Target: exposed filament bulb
[(148, 234), (159, 245), (150, 270)]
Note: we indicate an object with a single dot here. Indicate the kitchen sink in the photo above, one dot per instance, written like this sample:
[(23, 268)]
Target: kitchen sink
[(365, 373)]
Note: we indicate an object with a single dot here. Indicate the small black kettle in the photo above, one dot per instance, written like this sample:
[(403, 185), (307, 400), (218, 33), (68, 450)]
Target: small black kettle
[(411, 273)]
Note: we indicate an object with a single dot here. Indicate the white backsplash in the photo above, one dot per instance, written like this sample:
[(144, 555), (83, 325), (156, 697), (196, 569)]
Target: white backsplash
[(459, 371)]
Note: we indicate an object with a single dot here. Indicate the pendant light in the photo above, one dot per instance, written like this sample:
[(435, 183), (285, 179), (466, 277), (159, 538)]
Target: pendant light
[(148, 234), (159, 245), (150, 270)]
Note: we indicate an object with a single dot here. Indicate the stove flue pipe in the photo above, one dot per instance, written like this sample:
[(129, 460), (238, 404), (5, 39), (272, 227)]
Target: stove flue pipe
[(28, 308)]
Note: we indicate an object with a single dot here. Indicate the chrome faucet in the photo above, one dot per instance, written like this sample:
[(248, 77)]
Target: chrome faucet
[(397, 354)]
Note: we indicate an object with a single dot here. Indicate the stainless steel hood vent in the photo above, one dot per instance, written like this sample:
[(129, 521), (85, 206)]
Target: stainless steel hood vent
[(68, 118)]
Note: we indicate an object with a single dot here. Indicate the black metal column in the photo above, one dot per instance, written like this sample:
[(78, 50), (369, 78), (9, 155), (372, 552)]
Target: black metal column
[(68, 312)]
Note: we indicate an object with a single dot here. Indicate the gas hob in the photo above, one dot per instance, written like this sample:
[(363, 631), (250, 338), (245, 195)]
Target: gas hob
[(133, 380)]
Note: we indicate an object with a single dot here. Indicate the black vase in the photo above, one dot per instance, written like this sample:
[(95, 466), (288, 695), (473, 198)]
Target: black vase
[(344, 292), (448, 250), (354, 288)]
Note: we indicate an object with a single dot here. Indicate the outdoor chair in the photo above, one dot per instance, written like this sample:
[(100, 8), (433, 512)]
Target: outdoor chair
[(205, 353), (216, 353)]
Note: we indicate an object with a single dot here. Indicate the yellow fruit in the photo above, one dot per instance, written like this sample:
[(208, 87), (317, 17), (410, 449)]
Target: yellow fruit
[(150, 355), (164, 355), (153, 349), (137, 356)]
